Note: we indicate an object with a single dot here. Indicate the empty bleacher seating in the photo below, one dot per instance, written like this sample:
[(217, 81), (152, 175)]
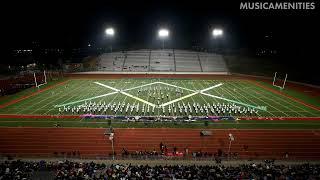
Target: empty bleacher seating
[(166, 60)]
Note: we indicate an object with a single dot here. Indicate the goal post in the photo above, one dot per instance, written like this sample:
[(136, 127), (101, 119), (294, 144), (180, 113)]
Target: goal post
[(35, 79), (38, 82), (282, 81)]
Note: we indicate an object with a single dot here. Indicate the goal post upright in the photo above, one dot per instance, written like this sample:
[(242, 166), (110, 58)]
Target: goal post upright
[(285, 80), (35, 79), (45, 77), (279, 86), (274, 78)]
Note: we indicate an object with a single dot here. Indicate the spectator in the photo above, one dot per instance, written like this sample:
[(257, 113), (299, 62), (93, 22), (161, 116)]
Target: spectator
[(89, 170)]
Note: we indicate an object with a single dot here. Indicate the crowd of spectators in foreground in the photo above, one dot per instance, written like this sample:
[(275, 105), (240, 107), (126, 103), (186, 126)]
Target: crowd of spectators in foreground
[(76, 170)]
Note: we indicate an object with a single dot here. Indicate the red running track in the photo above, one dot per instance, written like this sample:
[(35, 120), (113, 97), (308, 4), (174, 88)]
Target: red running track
[(301, 144)]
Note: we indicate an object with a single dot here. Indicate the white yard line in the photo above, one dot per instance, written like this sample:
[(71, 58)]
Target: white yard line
[(215, 86), (204, 98), (89, 90), (65, 94), (95, 91), (78, 101), (30, 100), (233, 97), (123, 99), (44, 99), (273, 106), (107, 86), (176, 86), (291, 103), (179, 99), (127, 94), (189, 95), (253, 96), (236, 102), (91, 98), (145, 111), (233, 101), (206, 89), (132, 104), (115, 97), (237, 88), (65, 100), (141, 86), (194, 88), (139, 99)]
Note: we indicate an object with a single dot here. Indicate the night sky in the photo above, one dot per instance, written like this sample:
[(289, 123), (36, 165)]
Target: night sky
[(74, 24), (61, 23)]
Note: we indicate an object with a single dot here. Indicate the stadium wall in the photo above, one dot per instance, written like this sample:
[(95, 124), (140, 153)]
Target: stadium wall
[(178, 75)]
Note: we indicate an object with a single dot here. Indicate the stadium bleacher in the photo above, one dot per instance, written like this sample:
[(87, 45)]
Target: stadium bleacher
[(166, 60), (63, 170)]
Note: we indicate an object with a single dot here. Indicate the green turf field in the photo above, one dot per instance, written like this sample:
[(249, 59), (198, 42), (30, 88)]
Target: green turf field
[(161, 95)]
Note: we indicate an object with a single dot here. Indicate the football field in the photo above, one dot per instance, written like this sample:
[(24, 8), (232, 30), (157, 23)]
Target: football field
[(160, 97)]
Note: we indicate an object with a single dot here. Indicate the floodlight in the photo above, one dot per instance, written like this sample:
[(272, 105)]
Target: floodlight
[(163, 33), (217, 32), (109, 31)]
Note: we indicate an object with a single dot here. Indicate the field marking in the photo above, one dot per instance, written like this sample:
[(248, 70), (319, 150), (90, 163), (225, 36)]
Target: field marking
[(117, 90), (244, 97), (104, 95), (141, 86), (145, 110), (164, 104), (293, 103), (200, 84), (178, 99), (84, 95), (116, 96), (95, 97), (131, 113), (199, 95), (69, 91), (215, 86), (87, 99), (236, 102), (189, 95), (139, 99), (175, 86), (36, 98), (192, 97), (33, 104), (127, 94), (240, 89), (278, 103), (30, 95), (273, 94), (27, 96), (285, 95), (40, 98)]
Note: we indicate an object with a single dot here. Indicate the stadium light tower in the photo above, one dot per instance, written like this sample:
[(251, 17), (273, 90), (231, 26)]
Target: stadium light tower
[(217, 32), (163, 34), (110, 34)]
